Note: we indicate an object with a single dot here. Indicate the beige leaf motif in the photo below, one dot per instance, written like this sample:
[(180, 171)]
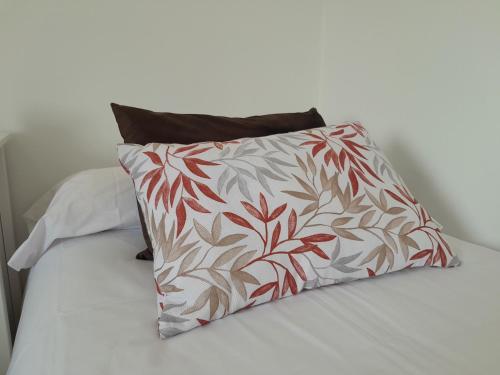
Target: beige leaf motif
[(407, 227), (395, 210), (216, 227), (246, 277), (309, 208), (214, 301), (240, 287), (311, 164), (243, 259), (344, 233), (226, 256), (199, 303), (300, 195), (203, 232), (170, 288), (341, 221), (224, 299), (334, 185), (366, 218), (163, 275), (383, 200), (188, 260), (301, 164), (305, 186), (230, 239), (323, 178), (390, 241), (375, 201), (394, 223), (219, 279)]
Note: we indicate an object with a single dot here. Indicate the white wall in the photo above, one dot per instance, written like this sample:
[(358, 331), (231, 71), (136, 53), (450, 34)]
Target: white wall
[(423, 76), (62, 62)]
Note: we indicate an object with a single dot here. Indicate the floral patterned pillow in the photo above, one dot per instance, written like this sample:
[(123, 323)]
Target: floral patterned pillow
[(238, 224)]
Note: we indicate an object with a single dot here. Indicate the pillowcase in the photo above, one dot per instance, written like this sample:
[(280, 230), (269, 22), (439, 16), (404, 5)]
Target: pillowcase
[(88, 202), (264, 218), (141, 126)]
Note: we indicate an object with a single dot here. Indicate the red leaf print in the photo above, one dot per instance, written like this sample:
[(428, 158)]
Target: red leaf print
[(238, 220), (354, 182), (370, 170), (405, 194), (318, 148), (155, 158), (154, 181), (199, 151), (180, 212), (185, 148), (175, 187), (202, 322), (193, 167), (342, 157), (310, 143), (164, 196), (316, 250), (286, 286), (335, 159), (310, 247), (370, 272), (328, 156), (277, 212), (421, 254), (186, 182), (252, 210), (159, 193), (440, 255), (318, 238), (298, 267), (336, 132), (362, 176), (302, 249), (201, 161), (263, 289), (195, 205), (148, 176), (276, 292), (395, 197), (291, 282), (276, 235), (263, 205), (292, 223), (354, 147), (208, 192), (349, 136), (158, 290)]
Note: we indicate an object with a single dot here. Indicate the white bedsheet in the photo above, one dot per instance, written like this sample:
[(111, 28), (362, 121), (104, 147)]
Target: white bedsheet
[(90, 309)]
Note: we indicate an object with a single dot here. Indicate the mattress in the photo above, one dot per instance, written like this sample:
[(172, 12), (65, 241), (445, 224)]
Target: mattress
[(90, 309)]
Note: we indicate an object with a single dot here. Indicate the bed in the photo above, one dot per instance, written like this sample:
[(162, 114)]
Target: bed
[(87, 322)]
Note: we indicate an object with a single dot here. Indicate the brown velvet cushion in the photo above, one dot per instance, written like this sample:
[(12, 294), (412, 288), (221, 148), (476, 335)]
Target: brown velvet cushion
[(141, 126)]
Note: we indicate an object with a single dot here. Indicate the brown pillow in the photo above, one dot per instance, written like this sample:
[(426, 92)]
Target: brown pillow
[(141, 126)]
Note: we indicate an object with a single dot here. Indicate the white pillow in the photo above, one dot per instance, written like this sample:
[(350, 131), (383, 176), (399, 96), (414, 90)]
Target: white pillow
[(91, 201)]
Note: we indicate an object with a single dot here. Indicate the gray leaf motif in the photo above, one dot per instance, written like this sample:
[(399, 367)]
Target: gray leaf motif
[(222, 180), (172, 318), (170, 331), (243, 186), (341, 263)]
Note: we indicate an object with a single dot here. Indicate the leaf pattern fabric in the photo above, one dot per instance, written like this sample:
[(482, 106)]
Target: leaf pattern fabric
[(258, 219)]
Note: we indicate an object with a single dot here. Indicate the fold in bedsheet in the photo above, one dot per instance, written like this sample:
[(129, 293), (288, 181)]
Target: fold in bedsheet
[(90, 309)]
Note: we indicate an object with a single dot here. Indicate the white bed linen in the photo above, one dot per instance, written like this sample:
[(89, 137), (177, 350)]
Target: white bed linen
[(90, 309)]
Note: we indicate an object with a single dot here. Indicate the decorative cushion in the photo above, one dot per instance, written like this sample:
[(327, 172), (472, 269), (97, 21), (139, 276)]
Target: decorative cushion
[(141, 126), (263, 218)]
